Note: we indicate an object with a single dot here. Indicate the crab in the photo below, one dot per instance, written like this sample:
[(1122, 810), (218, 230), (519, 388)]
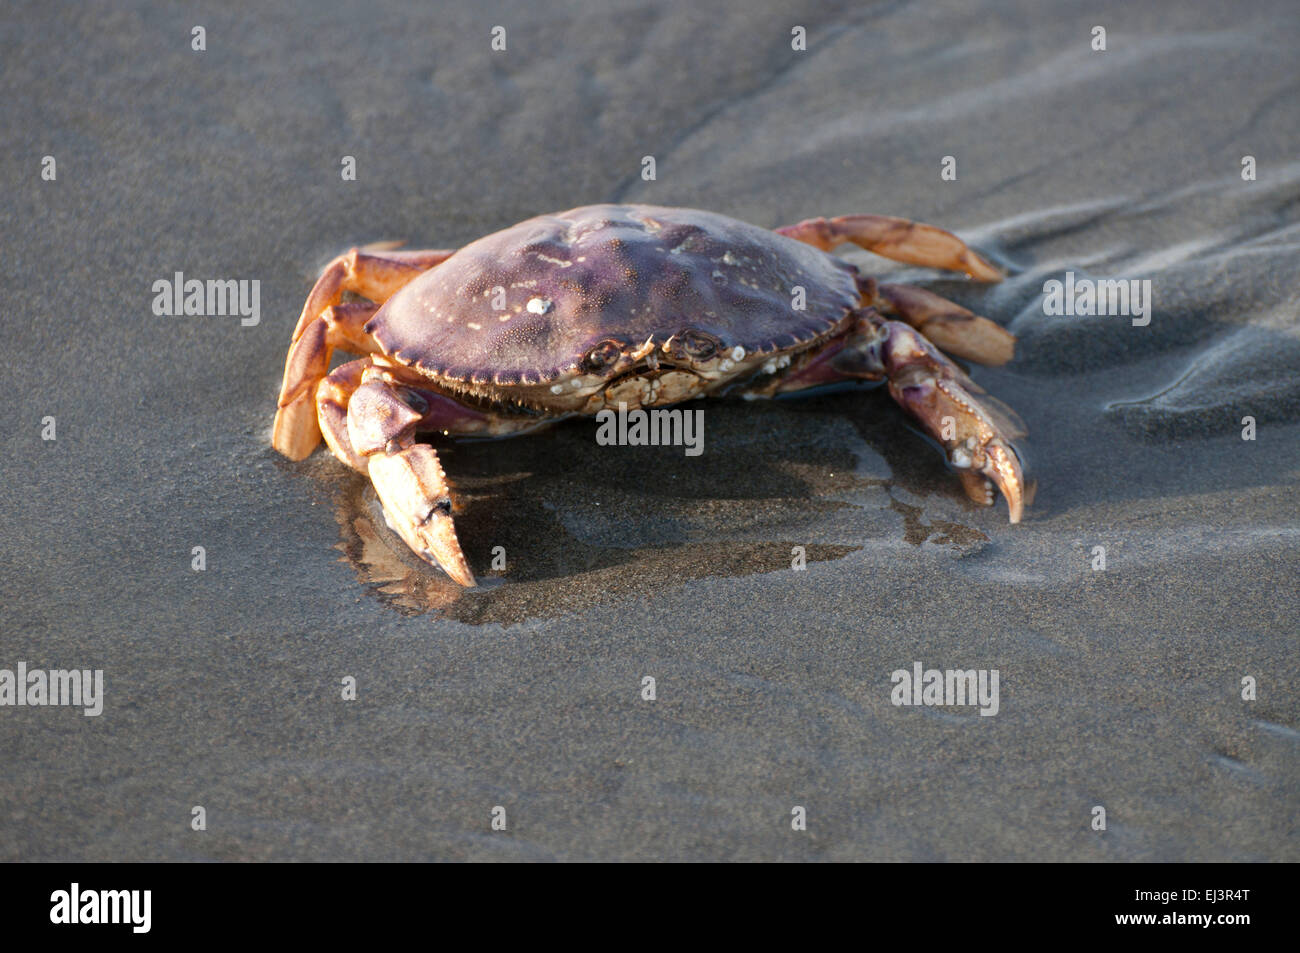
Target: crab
[(634, 305)]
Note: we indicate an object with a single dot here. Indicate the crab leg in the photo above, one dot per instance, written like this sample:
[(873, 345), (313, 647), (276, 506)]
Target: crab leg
[(933, 390), (946, 323), (326, 323), (896, 238), (407, 475), (333, 394)]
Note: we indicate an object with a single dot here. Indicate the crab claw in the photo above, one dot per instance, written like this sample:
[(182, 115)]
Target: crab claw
[(1002, 467), (977, 448), (417, 501), (975, 434)]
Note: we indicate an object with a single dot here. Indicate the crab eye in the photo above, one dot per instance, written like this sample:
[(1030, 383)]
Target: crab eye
[(602, 355), (697, 344)]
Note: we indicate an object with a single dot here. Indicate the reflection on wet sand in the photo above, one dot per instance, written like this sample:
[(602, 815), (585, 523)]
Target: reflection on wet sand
[(590, 574), (553, 524)]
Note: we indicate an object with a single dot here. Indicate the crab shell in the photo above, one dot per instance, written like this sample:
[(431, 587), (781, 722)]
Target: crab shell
[(583, 309)]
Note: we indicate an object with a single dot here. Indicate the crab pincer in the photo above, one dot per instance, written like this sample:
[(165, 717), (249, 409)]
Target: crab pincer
[(407, 476), (939, 396), (417, 499)]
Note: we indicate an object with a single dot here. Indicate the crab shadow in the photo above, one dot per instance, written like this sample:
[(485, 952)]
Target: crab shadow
[(552, 522)]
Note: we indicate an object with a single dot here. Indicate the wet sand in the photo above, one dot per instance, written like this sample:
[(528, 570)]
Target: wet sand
[(1120, 688)]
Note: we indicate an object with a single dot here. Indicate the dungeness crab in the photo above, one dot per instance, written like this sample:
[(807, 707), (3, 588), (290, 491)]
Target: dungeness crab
[(580, 311)]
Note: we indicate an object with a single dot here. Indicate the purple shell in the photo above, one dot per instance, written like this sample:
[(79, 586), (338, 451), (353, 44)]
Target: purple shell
[(624, 272)]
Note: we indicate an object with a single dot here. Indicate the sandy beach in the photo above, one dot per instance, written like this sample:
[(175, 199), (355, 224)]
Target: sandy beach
[(1120, 688)]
